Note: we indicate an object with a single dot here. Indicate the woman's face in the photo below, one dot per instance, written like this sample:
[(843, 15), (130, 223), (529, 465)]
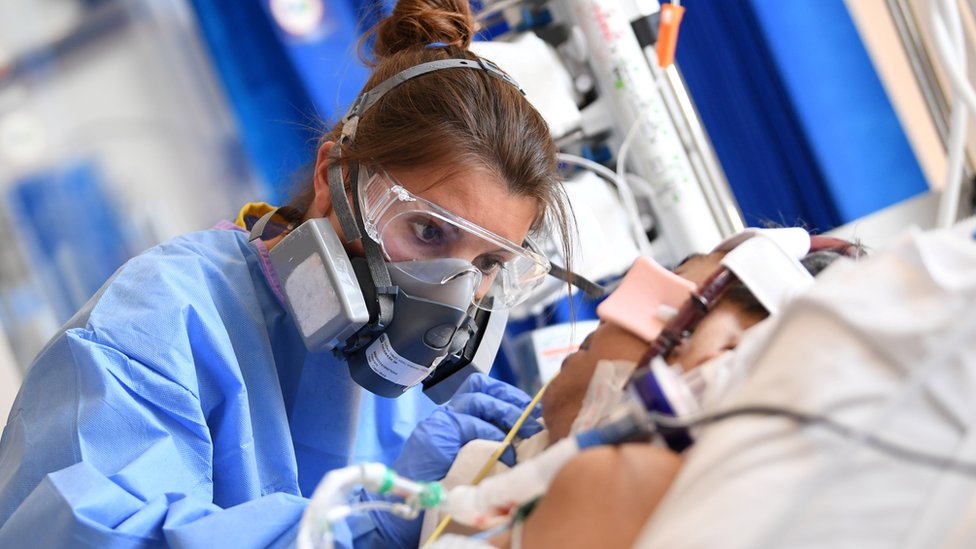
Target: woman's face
[(719, 331)]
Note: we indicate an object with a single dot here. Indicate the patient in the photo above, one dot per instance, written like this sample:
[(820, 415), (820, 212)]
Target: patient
[(601, 482), (603, 497), (719, 331)]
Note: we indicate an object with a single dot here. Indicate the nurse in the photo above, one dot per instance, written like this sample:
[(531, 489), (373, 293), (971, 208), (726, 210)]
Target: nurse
[(194, 401)]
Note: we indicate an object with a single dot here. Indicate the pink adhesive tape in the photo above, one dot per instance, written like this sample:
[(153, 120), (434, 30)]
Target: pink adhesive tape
[(637, 303)]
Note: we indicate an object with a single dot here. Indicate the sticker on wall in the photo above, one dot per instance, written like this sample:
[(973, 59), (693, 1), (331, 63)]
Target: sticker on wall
[(300, 18)]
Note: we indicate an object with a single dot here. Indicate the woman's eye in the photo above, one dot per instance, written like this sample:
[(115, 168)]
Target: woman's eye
[(427, 232), (488, 264)]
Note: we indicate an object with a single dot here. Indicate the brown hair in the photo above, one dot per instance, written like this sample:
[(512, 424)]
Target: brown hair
[(460, 119)]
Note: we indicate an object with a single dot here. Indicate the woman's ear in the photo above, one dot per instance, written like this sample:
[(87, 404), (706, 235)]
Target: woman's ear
[(322, 204)]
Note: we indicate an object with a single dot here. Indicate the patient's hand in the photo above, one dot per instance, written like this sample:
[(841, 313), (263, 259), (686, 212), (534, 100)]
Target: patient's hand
[(601, 498)]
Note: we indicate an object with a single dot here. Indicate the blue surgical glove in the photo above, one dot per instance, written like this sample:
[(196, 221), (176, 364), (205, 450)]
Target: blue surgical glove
[(482, 408)]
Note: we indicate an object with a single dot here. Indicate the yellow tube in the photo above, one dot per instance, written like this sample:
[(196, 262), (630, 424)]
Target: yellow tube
[(494, 457)]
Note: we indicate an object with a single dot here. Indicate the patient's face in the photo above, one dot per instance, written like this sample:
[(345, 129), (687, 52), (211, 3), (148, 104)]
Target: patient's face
[(719, 331)]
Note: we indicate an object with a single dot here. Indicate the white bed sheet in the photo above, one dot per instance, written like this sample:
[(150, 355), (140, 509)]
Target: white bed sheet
[(852, 347)]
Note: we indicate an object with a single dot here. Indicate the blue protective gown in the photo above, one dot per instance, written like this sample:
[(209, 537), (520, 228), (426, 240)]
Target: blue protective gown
[(180, 408)]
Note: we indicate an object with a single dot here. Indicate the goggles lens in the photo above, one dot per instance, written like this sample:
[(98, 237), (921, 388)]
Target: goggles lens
[(411, 228)]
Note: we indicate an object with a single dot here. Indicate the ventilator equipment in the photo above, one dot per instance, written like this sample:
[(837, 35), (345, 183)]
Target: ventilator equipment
[(410, 311)]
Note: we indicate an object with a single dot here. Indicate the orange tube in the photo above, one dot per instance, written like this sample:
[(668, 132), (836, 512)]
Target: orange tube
[(667, 35)]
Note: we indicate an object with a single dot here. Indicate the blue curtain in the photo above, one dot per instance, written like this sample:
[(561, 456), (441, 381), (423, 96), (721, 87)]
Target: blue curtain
[(798, 117), (285, 90)]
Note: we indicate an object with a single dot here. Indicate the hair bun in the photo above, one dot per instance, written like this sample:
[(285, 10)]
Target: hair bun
[(416, 23)]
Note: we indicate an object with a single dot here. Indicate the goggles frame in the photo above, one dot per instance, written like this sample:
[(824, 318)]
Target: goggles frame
[(382, 199)]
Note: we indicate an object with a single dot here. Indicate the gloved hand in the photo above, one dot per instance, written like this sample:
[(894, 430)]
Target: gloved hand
[(482, 408)]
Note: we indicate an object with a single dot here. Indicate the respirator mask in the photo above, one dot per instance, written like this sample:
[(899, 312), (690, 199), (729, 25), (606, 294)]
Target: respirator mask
[(416, 308)]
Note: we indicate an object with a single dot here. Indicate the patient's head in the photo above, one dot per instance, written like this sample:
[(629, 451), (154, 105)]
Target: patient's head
[(720, 330)]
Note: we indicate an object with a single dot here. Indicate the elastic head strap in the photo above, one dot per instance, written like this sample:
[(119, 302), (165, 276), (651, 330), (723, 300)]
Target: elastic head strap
[(367, 99), (337, 191), (378, 271), (257, 230)]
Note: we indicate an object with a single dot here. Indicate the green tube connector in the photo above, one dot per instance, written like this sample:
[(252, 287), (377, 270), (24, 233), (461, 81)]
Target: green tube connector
[(432, 495), (387, 481)]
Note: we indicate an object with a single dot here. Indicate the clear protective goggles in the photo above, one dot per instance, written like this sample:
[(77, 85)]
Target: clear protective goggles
[(408, 228)]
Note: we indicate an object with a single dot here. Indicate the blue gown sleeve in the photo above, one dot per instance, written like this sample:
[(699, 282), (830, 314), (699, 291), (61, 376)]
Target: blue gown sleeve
[(104, 451)]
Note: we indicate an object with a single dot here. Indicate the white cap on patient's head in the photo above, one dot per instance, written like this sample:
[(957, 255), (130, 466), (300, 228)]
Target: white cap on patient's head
[(793, 240), (649, 294), (768, 264)]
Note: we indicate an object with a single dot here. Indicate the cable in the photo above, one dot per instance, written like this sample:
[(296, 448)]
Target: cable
[(401, 510), (619, 178), (494, 457), (623, 189), (588, 164), (623, 186), (517, 529), (664, 423)]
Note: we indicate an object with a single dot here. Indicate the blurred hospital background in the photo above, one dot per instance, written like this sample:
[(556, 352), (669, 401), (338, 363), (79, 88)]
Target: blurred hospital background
[(126, 122)]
